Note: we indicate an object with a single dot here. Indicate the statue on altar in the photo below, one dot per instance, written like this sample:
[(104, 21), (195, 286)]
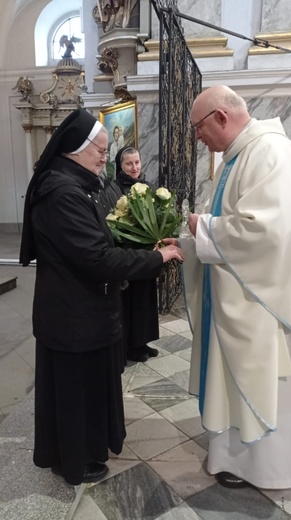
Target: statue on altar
[(69, 44), (115, 13), (25, 87)]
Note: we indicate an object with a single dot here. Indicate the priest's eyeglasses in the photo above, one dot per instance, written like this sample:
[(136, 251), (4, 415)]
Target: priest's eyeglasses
[(103, 153), (199, 122)]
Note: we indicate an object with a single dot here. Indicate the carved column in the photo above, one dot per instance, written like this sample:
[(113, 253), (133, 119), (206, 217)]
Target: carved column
[(118, 42), (43, 112), (49, 131), (28, 146)]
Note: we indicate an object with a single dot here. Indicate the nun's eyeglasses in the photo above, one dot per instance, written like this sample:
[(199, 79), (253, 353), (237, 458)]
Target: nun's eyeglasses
[(103, 153)]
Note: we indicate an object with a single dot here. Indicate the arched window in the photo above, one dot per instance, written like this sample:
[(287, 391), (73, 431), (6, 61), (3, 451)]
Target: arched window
[(58, 19), (68, 31)]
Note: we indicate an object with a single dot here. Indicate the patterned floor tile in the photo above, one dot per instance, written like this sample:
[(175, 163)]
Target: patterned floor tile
[(202, 440), (165, 332), (140, 374), (185, 416), (182, 512), (181, 378), (281, 497), (178, 326), (168, 365), (152, 436), (88, 510), (126, 454), (135, 494), (187, 335), (220, 503), (165, 318), (135, 409), (161, 394), (118, 464), (184, 469), (173, 343), (184, 354)]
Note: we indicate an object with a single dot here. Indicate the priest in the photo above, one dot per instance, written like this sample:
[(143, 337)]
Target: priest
[(238, 291)]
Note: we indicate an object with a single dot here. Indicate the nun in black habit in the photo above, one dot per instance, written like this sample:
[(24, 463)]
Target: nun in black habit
[(139, 299), (76, 308)]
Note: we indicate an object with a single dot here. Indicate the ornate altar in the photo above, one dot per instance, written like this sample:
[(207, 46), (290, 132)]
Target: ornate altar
[(45, 111)]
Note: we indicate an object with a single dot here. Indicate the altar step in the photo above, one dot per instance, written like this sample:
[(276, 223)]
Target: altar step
[(7, 283)]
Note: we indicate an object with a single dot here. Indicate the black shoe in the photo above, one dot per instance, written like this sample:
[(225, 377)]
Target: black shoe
[(137, 354), (229, 480), (93, 472), (152, 352)]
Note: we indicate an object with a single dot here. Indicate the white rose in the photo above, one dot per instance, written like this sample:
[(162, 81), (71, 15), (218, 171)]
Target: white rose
[(163, 193), (121, 208), (139, 189), (110, 216)]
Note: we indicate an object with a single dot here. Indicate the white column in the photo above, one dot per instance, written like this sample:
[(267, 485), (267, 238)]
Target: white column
[(144, 20), (244, 18), (28, 146), (92, 38), (48, 130)]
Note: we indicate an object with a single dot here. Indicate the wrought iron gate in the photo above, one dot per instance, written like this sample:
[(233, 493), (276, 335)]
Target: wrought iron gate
[(180, 82)]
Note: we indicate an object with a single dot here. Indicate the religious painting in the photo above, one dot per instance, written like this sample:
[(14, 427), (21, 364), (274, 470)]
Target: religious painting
[(121, 123)]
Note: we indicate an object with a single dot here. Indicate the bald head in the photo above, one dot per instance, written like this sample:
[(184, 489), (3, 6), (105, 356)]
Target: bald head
[(228, 116), (220, 96)]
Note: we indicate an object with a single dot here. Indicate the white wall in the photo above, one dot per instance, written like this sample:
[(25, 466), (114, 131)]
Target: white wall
[(17, 58)]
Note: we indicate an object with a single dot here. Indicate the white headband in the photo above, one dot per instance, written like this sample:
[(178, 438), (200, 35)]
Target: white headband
[(95, 130)]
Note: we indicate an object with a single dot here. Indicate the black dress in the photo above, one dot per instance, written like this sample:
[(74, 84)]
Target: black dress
[(140, 302), (77, 321)]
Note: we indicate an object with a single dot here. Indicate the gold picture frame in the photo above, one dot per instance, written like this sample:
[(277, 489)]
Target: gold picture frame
[(123, 117)]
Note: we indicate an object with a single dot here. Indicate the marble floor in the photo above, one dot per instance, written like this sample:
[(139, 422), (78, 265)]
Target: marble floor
[(16, 340), (161, 473)]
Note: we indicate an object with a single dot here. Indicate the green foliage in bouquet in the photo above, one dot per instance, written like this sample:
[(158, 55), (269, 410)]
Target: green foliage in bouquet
[(144, 217)]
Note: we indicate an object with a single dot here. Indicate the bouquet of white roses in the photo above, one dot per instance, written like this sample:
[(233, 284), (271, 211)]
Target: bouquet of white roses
[(144, 216)]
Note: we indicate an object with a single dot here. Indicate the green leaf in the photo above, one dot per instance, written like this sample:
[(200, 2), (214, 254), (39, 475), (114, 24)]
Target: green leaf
[(140, 214), (152, 213), (133, 238), (167, 211), (132, 229)]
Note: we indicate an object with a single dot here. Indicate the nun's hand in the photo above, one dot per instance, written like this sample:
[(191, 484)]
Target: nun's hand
[(171, 252), (170, 242)]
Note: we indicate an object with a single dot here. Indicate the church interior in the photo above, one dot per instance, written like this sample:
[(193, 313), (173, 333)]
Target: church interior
[(105, 56)]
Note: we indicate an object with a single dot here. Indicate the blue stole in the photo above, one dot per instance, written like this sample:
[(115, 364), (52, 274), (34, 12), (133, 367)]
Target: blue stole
[(206, 294)]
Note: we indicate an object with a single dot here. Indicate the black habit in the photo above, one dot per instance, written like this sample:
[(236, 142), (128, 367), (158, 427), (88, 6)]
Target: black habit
[(76, 312), (139, 299)]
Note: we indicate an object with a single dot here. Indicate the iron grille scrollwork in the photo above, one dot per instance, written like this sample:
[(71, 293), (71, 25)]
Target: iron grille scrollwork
[(180, 83)]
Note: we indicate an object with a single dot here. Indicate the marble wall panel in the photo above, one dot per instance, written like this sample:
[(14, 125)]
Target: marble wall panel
[(148, 144), (148, 139), (269, 107), (148, 124), (203, 181), (209, 12), (276, 16)]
